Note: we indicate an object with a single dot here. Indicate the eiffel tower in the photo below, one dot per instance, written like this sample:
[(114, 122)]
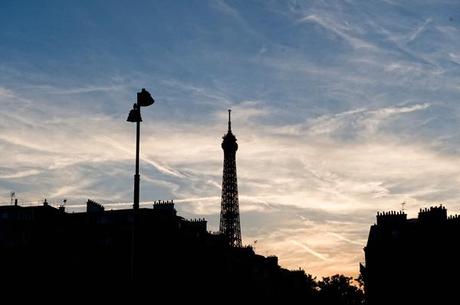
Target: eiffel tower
[(230, 212)]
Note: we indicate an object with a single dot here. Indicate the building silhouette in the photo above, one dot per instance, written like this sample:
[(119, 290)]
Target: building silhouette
[(151, 251), (230, 211), (413, 261)]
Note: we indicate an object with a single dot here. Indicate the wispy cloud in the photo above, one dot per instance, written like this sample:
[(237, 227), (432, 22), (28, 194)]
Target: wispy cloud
[(361, 121), (340, 29), (310, 250), (77, 90), (419, 30), (340, 237), (20, 174), (4, 93), (161, 167)]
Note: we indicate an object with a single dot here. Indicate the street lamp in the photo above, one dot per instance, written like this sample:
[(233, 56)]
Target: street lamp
[(144, 99)]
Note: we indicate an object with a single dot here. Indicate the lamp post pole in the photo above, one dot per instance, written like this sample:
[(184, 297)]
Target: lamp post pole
[(144, 99), (136, 175)]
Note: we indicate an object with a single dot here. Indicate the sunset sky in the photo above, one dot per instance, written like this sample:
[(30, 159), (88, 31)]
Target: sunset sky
[(341, 109)]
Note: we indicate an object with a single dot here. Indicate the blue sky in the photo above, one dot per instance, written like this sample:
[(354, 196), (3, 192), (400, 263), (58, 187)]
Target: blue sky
[(341, 109)]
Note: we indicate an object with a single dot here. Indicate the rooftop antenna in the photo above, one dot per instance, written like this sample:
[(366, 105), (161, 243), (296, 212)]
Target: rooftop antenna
[(12, 196), (403, 205)]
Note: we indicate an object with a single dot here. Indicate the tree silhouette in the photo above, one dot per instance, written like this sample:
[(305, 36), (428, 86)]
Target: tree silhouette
[(339, 290)]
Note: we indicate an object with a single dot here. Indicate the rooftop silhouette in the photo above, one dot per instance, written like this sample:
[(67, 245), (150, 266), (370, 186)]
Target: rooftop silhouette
[(412, 261), (149, 246)]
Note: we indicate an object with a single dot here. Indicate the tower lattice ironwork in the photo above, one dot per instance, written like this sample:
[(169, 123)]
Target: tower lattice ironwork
[(230, 211)]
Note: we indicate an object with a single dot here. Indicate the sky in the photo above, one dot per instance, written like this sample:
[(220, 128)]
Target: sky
[(341, 109)]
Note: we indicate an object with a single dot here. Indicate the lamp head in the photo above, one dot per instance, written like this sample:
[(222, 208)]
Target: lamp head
[(144, 98), (134, 114)]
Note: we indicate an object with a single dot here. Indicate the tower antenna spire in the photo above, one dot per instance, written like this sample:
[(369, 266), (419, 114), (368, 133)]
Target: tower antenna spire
[(229, 120)]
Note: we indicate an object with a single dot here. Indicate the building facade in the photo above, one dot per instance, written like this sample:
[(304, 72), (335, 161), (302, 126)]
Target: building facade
[(413, 261)]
